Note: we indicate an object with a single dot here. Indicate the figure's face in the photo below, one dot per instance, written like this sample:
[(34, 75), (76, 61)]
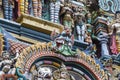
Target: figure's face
[(64, 74), (44, 72), (68, 31), (89, 15), (80, 9), (118, 16), (79, 19), (6, 56)]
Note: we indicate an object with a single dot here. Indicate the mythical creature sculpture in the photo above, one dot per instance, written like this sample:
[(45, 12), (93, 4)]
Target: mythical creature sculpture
[(40, 73), (63, 42), (44, 73)]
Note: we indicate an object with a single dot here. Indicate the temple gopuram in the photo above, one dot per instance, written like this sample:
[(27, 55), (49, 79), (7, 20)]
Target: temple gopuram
[(59, 39)]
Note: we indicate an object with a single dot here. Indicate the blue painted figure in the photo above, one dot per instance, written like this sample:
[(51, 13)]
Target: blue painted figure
[(54, 10), (8, 9)]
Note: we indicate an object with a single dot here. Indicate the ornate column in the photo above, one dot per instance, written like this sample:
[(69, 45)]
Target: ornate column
[(101, 32)]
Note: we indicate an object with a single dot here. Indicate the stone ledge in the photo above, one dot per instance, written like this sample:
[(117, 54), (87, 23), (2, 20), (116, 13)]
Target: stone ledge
[(39, 24)]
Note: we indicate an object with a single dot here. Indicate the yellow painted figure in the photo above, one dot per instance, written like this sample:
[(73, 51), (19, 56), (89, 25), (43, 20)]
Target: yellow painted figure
[(8, 6), (26, 7), (118, 43), (23, 6), (1, 12)]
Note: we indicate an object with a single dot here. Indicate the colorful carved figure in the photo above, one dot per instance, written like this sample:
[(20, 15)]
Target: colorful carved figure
[(21, 7), (54, 10), (1, 10), (26, 7), (37, 8), (19, 74), (89, 28), (67, 14), (88, 18), (44, 73), (8, 65), (80, 28), (115, 47), (67, 19), (8, 9), (63, 42), (62, 74)]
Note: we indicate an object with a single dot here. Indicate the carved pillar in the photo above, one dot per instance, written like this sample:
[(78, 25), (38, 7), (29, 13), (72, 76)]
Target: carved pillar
[(101, 31), (104, 48)]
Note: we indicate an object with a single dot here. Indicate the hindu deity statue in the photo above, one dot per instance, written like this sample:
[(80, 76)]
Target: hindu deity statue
[(7, 65), (8, 6), (1, 11), (23, 6), (54, 10), (39, 73), (81, 28), (67, 14), (89, 27), (62, 74), (115, 47), (44, 73), (37, 8), (67, 19)]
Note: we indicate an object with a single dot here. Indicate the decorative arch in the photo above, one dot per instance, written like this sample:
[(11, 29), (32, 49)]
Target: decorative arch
[(43, 50)]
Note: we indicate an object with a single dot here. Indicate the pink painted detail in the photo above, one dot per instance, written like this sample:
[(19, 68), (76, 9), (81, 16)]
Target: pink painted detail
[(87, 78), (48, 62), (113, 47)]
